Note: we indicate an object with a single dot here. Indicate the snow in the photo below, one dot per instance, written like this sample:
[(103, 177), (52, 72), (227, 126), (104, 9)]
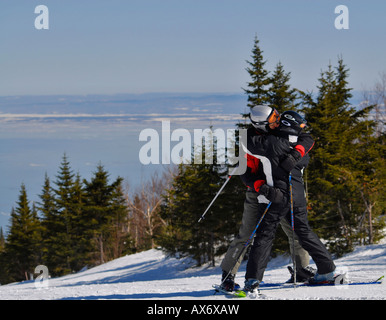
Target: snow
[(151, 275)]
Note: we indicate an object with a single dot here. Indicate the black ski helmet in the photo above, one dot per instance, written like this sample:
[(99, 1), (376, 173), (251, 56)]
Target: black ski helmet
[(292, 122), (262, 116)]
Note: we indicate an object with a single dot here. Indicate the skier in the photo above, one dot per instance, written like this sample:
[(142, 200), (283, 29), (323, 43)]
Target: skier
[(291, 127), (271, 150), (265, 120)]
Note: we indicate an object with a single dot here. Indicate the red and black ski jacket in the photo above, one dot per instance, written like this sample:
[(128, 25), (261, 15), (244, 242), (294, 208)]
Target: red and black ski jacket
[(264, 154)]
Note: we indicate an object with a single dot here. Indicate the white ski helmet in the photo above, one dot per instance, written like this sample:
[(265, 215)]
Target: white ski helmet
[(262, 116)]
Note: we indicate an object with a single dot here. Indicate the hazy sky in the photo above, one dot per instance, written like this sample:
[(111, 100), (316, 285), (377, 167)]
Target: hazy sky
[(140, 46), (127, 46)]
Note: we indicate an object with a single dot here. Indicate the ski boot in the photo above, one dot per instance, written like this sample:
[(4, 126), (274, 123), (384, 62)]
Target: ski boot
[(228, 282), (327, 278), (302, 274), (251, 287)]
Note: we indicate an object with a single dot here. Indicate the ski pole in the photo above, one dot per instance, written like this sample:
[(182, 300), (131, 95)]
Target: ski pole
[(258, 224), (293, 229), (218, 193), (248, 241)]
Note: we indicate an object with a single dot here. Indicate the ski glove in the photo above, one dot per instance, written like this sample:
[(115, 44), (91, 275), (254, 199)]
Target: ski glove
[(274, 195), (290, 161)]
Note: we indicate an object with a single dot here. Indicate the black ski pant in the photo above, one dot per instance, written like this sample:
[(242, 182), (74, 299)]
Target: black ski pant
[(237, 248), (261, 248)]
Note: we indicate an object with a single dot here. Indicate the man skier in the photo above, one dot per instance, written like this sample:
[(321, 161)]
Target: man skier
[(271, 150), (265, 120)]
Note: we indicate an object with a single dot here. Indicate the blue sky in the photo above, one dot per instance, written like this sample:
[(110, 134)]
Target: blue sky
[(141, 46), (146, 46)]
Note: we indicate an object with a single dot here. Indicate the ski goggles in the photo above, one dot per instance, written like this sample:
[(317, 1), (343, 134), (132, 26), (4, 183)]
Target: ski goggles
[(274, 117)]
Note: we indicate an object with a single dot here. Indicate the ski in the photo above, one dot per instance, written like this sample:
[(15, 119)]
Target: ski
[(235, 294), (273, 286), (240, 293), (352, 283)]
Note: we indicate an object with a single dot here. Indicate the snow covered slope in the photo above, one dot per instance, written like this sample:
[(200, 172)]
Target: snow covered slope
[(150, 275)]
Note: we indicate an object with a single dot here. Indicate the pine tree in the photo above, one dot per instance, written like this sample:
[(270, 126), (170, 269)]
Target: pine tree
[(3, 260), (193, 188), (258, 87), (62, 222), (2, 240), (281, 95), (80, 242), (120, 238), (103, 208), (23, 246), (263, 89), (338, 169), (47, 207), (275, 91)]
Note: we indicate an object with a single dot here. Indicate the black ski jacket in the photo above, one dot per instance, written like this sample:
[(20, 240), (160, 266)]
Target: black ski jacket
[(264, 154)]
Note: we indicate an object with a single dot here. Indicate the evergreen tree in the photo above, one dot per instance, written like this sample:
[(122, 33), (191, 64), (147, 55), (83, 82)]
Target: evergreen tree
[(258, 87), (81, 224), (281, 95), (263, 89), (193, 188), (37, 234), (283, 98), (63, 223), (3, 260), (275, 91), (120, 239), (79, 240), (338, 169), (47, 207), (257, 91), (22, 247), (103, 208), (2, 240)]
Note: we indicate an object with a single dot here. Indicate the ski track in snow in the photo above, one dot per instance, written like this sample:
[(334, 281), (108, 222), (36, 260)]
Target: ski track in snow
[(150, 275)]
